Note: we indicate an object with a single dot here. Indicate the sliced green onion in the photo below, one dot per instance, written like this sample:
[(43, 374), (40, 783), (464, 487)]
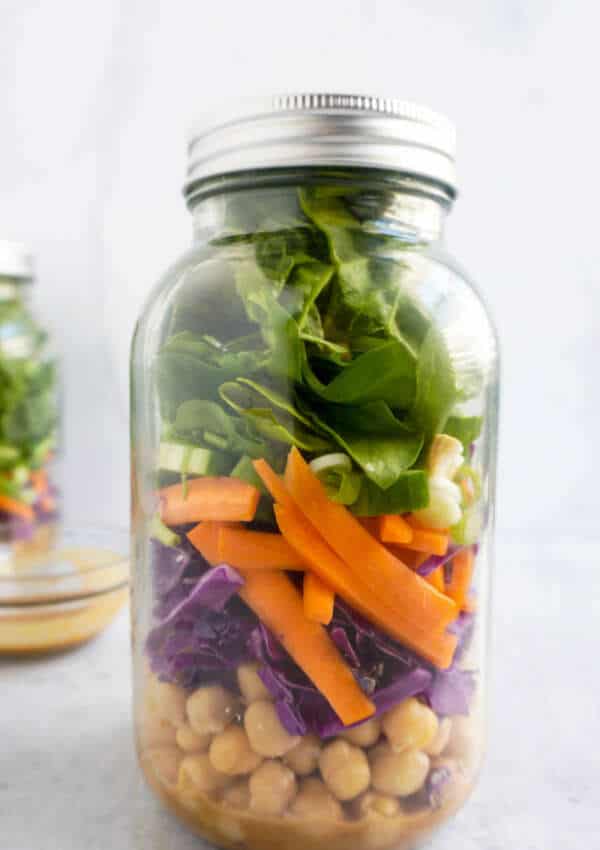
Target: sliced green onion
[(335, 461)]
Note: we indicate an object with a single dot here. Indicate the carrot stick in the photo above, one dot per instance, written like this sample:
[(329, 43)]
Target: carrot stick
[(277, 604), (410, 557), (274, 484), (462, 573), (249, 550), (223, 542), (429, 540), (219, 499), (47, 503), (318, 599), (436, 579), (39, 480), (13, 506), (394, 529), (414, 600), (205, 538), (436, 647)]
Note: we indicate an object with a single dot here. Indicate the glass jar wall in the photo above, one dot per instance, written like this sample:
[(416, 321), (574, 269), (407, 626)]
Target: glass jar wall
[(29, 501), (314, 402)]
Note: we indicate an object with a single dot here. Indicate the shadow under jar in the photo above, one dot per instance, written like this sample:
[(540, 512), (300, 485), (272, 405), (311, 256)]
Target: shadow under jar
[(314, 406)]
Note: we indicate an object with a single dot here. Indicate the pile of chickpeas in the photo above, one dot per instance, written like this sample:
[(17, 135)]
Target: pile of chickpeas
[(231, 748)]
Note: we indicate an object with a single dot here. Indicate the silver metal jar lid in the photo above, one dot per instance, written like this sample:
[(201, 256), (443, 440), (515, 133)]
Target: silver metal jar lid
[(15, 260), (316, 130)]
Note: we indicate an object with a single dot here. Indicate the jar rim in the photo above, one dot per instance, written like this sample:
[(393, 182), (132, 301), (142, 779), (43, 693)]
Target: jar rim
[(16, 261), (322, 130)]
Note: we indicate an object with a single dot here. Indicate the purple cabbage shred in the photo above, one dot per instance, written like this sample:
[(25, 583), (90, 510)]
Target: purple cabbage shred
[(203, 631)]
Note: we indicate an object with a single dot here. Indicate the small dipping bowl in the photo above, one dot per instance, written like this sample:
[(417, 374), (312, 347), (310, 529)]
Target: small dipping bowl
[(55, 599)]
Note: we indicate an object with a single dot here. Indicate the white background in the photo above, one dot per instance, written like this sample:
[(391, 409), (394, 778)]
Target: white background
[(95, 98)]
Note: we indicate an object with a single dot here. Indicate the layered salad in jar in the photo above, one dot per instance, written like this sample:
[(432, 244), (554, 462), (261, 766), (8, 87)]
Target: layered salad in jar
[(28, 424), (309, 674)]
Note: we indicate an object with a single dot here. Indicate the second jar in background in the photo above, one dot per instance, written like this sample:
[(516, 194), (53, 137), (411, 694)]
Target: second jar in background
[(29, 416)]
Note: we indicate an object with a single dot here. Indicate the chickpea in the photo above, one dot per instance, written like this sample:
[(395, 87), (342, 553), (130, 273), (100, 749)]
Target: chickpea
[(237, 795), (197, 775), (373, 803), (440, 742), (230, 828), (304, 757), (166, 700), (190, 742), (378, 749), (345, 769), (265, 732), (155, 731), (364, 735), (211, 709), (230, 752), (314, 800), (272, 788), (251, 684), (410, 725), (399, 774), (165, 764)]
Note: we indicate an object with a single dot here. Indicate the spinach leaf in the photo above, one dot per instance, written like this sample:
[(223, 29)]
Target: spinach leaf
[(465, 428), (189, 366), (278, 328), (436, 386), (248, 212), (374, 438), (369, 295), (272, 415), (409, 493), (246, 472), (305, 285), (205, 422), (279, 252), (28, 410), (386, 373)]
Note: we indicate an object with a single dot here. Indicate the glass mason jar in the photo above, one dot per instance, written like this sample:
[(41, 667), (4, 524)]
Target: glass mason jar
[(314, 404), (29, 417)]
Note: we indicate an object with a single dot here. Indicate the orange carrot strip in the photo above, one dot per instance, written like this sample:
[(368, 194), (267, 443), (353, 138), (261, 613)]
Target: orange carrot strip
[(436, 579), (218, 499), (318, 599), (462, 573), (394, 529), (301, 534), (250, 550), (205, 538), (277, 604), (274, 484), (13, 506), (47, 503), (429, 540), (413, 598), (410, 557), (434, 646), (39, 480)]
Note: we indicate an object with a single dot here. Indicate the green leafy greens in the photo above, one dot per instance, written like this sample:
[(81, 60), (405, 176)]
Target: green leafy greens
[(28, 400), (332, 351)]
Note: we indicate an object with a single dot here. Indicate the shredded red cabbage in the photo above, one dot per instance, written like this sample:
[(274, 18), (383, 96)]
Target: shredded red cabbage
[(434, 561), (204, 631)]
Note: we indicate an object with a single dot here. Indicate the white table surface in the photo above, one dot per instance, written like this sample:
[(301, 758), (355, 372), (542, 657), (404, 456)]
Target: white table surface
[(68, 779)]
